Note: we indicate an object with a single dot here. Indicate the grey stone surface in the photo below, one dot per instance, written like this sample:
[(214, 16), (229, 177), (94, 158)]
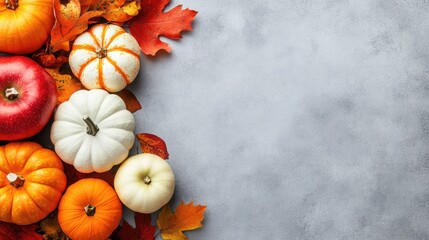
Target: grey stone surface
[(297, 119)]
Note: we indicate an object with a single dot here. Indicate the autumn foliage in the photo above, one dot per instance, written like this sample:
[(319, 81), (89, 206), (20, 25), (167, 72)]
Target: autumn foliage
[(147, 21)]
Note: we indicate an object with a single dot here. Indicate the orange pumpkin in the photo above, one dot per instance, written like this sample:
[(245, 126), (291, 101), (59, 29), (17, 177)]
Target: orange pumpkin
[(32, 181), (89, 209), (25, 25)]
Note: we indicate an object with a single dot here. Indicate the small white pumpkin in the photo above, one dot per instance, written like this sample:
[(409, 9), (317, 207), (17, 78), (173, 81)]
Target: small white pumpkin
[(144, 183), (93, 131), (105, 57)]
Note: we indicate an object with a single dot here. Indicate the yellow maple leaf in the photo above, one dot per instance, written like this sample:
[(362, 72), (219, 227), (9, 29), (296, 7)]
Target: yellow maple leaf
[(187, 217)]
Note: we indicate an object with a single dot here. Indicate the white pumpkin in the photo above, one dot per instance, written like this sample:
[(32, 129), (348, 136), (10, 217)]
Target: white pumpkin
[(144, 183), (93, 130), (105, 57)]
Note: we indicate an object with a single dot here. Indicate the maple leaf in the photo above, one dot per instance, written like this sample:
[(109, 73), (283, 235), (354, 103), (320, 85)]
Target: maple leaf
[(130, 100), (152, 22), (66, 85), (144, 229), (187, 217), (68, 23), (153, 144), (10, 231)]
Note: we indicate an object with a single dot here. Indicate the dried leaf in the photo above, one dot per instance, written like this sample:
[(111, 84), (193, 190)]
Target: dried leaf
[(49, 60), (120, 10), (130, 100), (144, 229), (153, 144), (68, 23), (152, 22), (187, 217), (52, 230), (10, 231), (66, 85)]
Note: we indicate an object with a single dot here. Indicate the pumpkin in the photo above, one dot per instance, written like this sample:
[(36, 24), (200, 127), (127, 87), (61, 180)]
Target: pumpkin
[(105, 57), (89, 209), (25, 25), (144, 183), (93, 131), (32, 181)]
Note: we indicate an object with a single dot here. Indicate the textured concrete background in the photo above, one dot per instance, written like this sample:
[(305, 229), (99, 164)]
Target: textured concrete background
[(297, 119)]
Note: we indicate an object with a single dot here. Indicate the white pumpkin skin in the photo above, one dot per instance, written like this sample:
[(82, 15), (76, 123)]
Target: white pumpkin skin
[(111, 143), (105, 57), (144, 183)]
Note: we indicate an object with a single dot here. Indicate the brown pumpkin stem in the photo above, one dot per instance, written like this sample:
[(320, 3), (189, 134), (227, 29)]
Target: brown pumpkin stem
[(91, 128), (11, 4), (101, 52), (147, 180), (11, 93), (89, 210), (15, 180)]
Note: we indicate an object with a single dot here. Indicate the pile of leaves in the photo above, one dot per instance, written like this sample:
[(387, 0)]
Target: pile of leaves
[(146, 21)]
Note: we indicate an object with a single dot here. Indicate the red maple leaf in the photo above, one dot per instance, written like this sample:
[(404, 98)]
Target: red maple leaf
[(10, 231), (152, 22), (144, 229)]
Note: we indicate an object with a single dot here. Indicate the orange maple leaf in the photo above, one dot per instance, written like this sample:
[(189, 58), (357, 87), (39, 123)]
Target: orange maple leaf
[(66, 85), (152, 144), (152, 22), (187, 217), (130, 100), (69, 23)]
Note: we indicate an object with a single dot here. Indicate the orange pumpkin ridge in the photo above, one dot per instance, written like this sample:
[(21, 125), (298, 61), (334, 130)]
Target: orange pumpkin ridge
[(117, 34), (103, 35), (100, 74), (82, 67), (117, 68), (91, 33), (124, 50), (84, 47)]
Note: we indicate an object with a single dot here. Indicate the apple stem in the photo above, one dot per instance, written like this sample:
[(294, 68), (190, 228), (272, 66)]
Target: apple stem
[(15, 179), (11, 93), (91, 129), (11, 4)]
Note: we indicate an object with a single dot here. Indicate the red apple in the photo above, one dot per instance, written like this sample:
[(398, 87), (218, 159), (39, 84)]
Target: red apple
[(28, 96)]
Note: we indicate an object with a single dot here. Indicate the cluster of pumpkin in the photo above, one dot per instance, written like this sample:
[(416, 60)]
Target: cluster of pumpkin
[(93, 131)]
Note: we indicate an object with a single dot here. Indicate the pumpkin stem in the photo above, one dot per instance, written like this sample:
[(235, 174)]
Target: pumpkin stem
[(15, 179), (147, 180), (89, 210), (101, 52), (91, 127), (11, 93), (11, 4)]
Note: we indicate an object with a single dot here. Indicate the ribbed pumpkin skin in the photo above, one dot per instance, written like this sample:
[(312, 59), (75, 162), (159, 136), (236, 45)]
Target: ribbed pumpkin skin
[(111, 70), (44, 182), (73, 219), (26, 28)]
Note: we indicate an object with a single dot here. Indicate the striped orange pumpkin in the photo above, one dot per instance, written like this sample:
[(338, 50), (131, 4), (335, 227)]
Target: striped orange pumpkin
[(105, 57)]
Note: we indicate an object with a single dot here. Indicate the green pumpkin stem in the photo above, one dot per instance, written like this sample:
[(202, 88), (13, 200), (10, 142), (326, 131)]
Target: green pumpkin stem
[(89, 210), (11, 4), (91, 129)]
